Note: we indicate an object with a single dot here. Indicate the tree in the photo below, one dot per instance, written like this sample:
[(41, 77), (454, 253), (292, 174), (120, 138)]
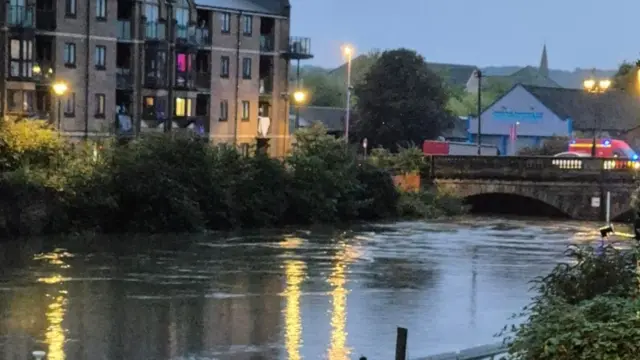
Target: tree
[(626, 78), (400, 101), (463, 103), (324, 90)]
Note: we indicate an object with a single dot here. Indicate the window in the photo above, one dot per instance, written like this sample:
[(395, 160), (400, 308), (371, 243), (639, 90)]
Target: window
[(183, 107), (245, 110), (21, 62), (224, 67), (70, 8), (247, 25), (70, 105), (183, 62), (246, 68), (70, 55), (155, 67), (101, 9), (20, 101), (100, 57), (225, 22), (100, 105), (224, 110)]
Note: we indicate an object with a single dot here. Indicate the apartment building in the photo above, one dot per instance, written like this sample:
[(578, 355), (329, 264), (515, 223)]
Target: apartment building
[(219, 68)]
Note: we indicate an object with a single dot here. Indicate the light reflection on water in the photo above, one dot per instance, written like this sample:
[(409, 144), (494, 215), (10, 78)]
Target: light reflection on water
[(299, 295)]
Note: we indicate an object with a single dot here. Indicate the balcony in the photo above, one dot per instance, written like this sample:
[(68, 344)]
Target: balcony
[(20, 17), (45, 19), (266, 43), (154, 81), (43, 72), (266, 88), (203, 80), (124, 79), (155, 31), (193, 36), (185, 80), (299, 48), (124, 30)]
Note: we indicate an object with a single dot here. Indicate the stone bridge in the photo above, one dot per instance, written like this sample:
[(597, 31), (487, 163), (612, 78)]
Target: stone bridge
[(572, 186)]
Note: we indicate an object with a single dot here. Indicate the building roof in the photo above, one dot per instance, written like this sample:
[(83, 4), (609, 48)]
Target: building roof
[(272, 7), (528, 75), (453, 74), (613, 110), (331, 117)]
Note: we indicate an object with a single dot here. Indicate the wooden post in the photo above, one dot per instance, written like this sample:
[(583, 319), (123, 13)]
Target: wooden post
[(401, 344)]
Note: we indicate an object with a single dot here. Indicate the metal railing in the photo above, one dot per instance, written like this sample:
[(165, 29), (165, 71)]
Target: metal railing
[(155, 31), (300, 45), (484, 352), (532, 168), (21, 16), (266, 43)]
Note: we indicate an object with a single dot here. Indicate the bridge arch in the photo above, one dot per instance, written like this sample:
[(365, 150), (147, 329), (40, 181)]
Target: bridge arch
[(504, 193)]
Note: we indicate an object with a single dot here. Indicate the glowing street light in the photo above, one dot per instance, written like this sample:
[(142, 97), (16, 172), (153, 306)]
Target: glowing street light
[(594, 86), (299, 98), (60, 88)]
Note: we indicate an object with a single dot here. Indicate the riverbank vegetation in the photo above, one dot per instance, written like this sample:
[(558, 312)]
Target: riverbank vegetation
[(586, 310), (182, 184)]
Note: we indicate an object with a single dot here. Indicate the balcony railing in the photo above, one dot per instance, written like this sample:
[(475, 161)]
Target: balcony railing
[(185, 80), (266, 43), (300, 47), (124, 79), (155, 81), (266, 86), (21, 16), (124, 30), (155, 31), (193, 35)]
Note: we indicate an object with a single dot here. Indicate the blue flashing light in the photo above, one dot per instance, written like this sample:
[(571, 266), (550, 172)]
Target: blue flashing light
[(634, 157), (573, 141), (606, 142)]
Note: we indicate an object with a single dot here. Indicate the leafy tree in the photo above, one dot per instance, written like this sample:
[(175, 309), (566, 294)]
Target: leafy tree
[(549, 147), (626, 78), (463, 103), (400, 101), (324, 90)]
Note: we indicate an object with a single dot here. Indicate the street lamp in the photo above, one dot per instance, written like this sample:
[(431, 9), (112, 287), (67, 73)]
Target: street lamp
[(348, 52), (299, 97), (479, 76), (60, 88), (594, 86)]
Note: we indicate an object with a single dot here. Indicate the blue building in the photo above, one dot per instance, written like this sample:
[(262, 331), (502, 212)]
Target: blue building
[(539, 113)]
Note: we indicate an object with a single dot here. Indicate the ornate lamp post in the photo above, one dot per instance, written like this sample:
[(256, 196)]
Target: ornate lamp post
[(593, 86), (60, 89)]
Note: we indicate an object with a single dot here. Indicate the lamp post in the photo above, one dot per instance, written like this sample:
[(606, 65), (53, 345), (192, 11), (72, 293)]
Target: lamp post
[(479, 76), (60, 88), (299, 97), (595, 87), (348, 52)]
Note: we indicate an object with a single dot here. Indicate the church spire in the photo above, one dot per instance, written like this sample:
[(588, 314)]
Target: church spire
[(544, 62)]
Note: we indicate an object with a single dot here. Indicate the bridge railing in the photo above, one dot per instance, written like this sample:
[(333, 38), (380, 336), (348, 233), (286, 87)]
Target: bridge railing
[(532, 168)]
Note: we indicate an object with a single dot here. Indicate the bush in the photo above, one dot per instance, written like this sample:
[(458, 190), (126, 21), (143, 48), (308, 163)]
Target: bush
[(549, 147), (584, 310), (181, 184)]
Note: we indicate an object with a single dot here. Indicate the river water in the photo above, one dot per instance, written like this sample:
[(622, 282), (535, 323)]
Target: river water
[(316, 294)]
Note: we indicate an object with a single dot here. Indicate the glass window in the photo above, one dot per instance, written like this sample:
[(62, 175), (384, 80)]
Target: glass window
[(100, 57), (21, 58), (183, 107), (101, 9), (225, 22), (224, 66), (224, 110), (70, 105), (70, 54), (247, 25), (245, 110), (246, 68), (100, 105), (70, 7)]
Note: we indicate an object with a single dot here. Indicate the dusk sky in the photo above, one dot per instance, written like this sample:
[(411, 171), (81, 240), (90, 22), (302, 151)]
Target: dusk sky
[(578, 33)]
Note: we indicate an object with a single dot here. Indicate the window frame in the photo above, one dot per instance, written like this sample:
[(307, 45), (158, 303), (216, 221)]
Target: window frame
[(69, 55), (70, 105), (100, 50), (225, 63), (246, 110), (101, 105), (24, 60), (246, 68), (247, 25), (71, 8), (101, 10), (225, 23), (187, 102), (224, 111)]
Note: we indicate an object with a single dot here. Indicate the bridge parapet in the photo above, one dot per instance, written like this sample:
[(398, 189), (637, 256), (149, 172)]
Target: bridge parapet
[(536, 168)]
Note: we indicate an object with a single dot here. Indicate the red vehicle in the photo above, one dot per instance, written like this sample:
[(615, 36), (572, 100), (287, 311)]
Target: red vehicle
[(436, 147), (605, 148)]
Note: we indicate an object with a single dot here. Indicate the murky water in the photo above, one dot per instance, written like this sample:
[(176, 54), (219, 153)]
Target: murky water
[(298, 295)]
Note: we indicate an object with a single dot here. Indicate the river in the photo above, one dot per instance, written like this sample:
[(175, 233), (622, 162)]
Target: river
[(316, 294)]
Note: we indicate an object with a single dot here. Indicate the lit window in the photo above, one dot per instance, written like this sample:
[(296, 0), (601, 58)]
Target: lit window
[(183, 107)]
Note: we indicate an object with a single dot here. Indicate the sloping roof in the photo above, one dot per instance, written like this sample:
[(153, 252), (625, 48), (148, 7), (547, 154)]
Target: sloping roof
[(613, 110), (273, 7), (453, 74), (528, 75), (331, 117)]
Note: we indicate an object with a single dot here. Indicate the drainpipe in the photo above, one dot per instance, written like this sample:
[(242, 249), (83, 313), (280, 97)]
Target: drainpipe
[(87, 60), (172, 66), (237, 94)]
